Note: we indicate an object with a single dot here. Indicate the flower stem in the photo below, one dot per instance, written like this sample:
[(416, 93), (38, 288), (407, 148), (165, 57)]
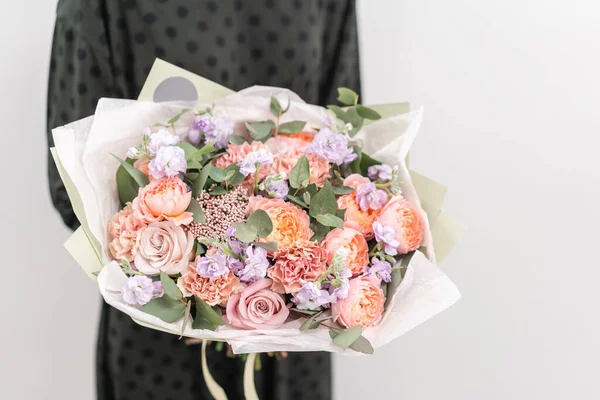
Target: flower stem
[(257, 165)]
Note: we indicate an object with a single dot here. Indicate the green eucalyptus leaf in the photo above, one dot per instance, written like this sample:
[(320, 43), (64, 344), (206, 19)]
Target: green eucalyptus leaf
[(127, 187), (347, 96), (356, 120), (200, 249), (346, 337), (341, 213), (218, 191), (260, 222), (320, 231), (188, 148), (312, 189), (297, 201), (176, 118), (196, 209), (268, 246), (299, 173), (341, 190), (237, 139), (275, 107), (140, 178), (291, 127), (170, 287), (323, 202), (194, 165), (362, 345), (244, 233), (229, 174), (310, 323), (367, 161), (217, 174), (355, 165), (330, 220), (165, 308), (197, 156), (207, 312), (237, 176), (367, 113), (338, 111), (186, 316), (306, 197), (260, 131), (201, 180)]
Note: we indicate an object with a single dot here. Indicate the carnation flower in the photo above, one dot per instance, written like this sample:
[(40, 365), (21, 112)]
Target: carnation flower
[(332, 146), (123, 229), (138, 290), (212, 291), (387, 236), (160, 139), (169, 162), (369, 197), (303, 260)]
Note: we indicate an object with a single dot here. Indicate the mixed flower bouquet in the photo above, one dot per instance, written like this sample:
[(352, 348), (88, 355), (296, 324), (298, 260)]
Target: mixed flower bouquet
[(256, 219)]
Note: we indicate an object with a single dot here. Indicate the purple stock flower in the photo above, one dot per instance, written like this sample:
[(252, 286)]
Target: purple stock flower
[(381, 268), (257, 158), (387, 236), (138, 290), (331, 146), (276, 186), (157, 289), (212, 266), (216, 129), (383, 172), (256, 264), (369, 197), (169, 162), (311, 297), (161, 139)]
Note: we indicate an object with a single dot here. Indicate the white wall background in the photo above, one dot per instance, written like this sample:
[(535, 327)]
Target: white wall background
[(511, 93)]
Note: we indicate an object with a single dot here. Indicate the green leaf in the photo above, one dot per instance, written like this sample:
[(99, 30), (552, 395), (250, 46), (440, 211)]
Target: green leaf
[(356, 120), (268, 246), (312, 189), (260, 131), (176, 118), (194, 165), (217, 174), (341, 190), (341, 213), (206, 317), (197, 156), (320, 232), (275, 107), (355, 165), (237, 177), (201, 180), (165, 308), (200, 249), (237, 139), (347, 96), (260, 222), (188, 149), (127, 187), (367, 113), (306, 197), (330, 220), (299, 173), (346, 337), (218, 191), (297, 201), (362, 345), (140, 178), (244, 233), (323, 202), (367, 161), (338, 111), (310, 323), (196, 209), (186, 316), (291, 127), (170, 287)]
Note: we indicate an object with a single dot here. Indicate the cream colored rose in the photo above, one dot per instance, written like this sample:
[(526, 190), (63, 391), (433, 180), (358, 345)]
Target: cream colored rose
[(163, 246)]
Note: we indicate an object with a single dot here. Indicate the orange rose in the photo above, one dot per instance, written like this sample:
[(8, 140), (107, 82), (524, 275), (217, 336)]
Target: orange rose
[(356, 218), (353, 242), (406, 220), (284, 143), (290, 222), (364, 304), (213, 292), (355, 180), (161, 199), (303, 260)]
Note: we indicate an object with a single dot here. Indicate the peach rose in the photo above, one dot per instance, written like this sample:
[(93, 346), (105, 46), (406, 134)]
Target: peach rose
[(123, 229), (319, 167), (163, 246), (165, 198), (353, 242), (143, 164), (290, 222), (364, 304), (406, 220), (303, 260), (355, 217), (213, 292), (285, 143), (257, 307), (236, 153), (355, 180)]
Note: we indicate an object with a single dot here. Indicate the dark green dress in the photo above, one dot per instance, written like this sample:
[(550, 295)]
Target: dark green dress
[(105, 48)]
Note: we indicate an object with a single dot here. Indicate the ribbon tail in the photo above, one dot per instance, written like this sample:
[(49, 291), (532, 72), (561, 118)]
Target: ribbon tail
[(213, 387), (249, 387)]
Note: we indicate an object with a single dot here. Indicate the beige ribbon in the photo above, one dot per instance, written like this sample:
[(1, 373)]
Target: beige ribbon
[(217, 391)]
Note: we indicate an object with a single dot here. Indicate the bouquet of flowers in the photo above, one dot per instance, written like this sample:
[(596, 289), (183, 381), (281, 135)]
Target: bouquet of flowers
[(256, 219)]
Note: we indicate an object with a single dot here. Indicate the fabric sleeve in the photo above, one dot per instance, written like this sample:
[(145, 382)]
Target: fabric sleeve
[(341, 63), (80, 75)]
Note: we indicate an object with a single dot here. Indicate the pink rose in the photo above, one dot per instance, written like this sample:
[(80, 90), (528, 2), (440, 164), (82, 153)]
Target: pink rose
[(212, 291), (257, 307), (163, 246), (353, 242), (364, 304), (355, 180), (161, 199), (123, 229), (302, 261), (407, 222)]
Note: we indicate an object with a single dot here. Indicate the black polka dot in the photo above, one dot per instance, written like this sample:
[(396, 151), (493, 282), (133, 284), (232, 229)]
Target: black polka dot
[(177, 384), (256, 53), (303, 36), (171, 32), (128, 343), (314, 53), (64, 117), (202, 26), (269, 3), (243, 70), (312, 19), (159, 52), (212, 6), (331, 7), (285, 20), (149, 18), (61, 50), (272, 69), (69, 35), (162, 1), (192, 47), (220, 41), (254, 20), (228, 21), (158, 380), (297, 4), (182, 12), (307, 85), (131, 385), (52, 64), (62, 84), (128, 4), (211, 61), (166, 361), (70, 69), (289, 53), (185, 365), (238, 5), (139, 38), (272, 36), (122, 361), (301, 69), (72, 102), (147, 353), (241, 37), (224, 76)]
